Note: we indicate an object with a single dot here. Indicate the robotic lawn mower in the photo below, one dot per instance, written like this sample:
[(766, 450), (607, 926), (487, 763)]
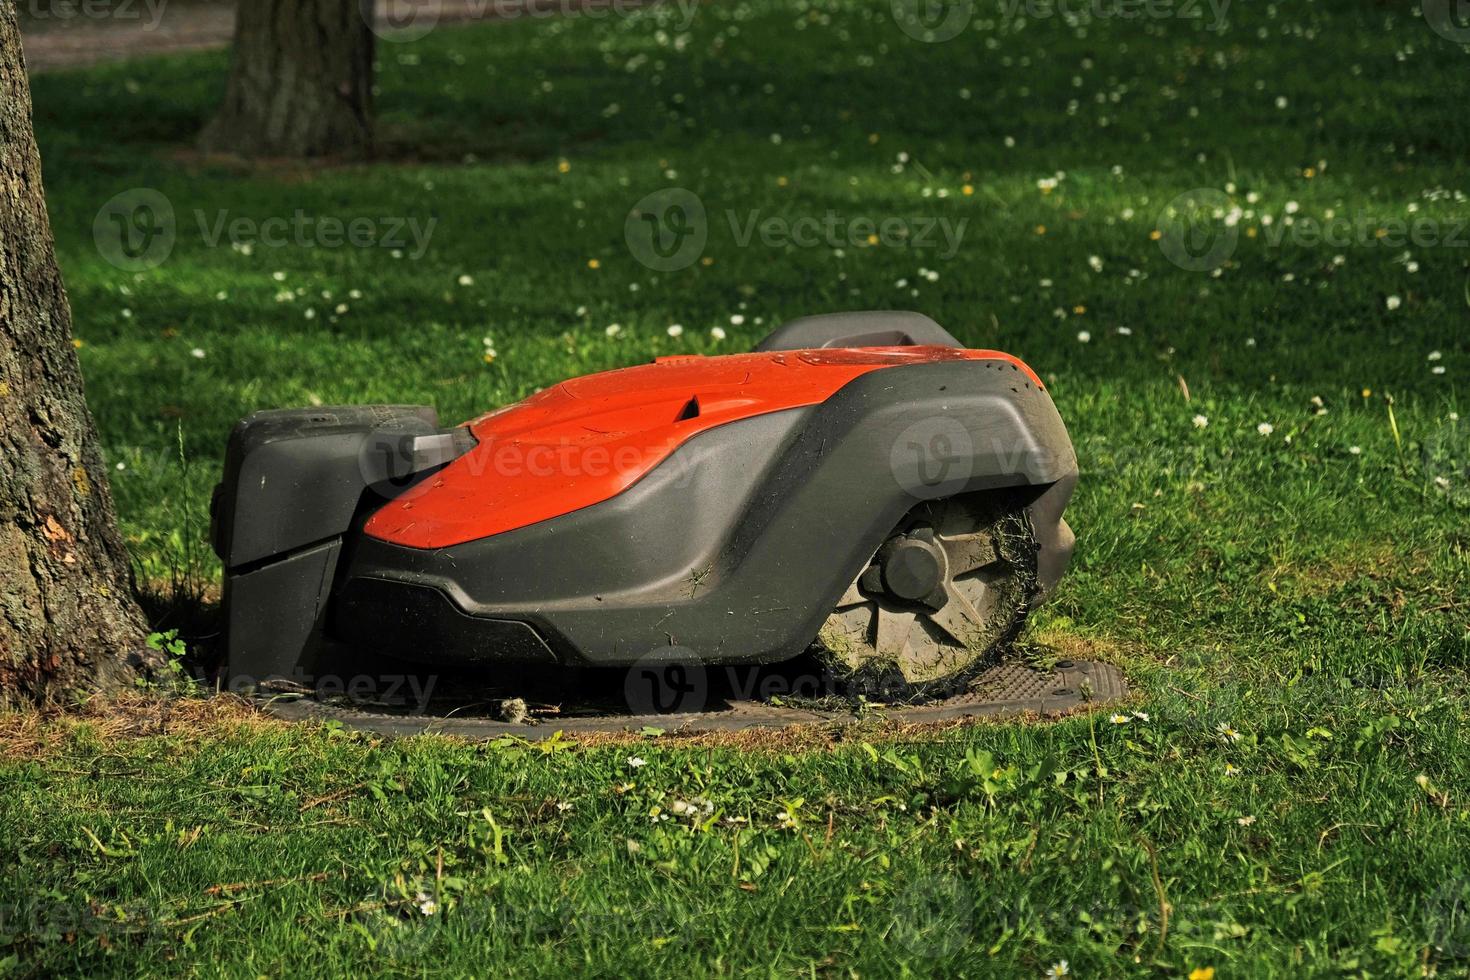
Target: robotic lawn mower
[(860, 486)]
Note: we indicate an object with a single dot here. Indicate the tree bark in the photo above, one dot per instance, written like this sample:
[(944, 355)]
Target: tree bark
[(68, 620), (301, 81)]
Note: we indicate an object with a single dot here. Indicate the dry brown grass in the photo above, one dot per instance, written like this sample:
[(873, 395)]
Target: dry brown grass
[(810, 737), (36, 733), (31, 733), (1375, 562), (1063, 645)]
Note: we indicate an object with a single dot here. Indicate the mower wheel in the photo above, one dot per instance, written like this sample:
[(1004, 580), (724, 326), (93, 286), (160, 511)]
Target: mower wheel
[(940, 600)]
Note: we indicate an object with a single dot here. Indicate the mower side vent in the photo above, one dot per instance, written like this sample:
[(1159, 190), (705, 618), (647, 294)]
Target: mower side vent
[(689, 411)]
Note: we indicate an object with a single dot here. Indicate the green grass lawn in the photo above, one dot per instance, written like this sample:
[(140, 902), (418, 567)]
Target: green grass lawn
[(1272, 518)]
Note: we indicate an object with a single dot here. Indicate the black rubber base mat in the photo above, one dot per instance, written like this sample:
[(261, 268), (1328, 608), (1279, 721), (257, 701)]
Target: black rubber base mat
[(1005, 690)]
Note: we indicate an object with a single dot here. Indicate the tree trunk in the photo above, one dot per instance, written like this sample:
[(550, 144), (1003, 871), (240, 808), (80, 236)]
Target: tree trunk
[(68, 622), (301, 81)]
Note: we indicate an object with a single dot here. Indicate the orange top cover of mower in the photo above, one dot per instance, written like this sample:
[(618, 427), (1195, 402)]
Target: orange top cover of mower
[(588, 439)]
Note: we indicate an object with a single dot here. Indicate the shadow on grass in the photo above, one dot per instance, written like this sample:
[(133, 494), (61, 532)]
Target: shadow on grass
[(193, 612)]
